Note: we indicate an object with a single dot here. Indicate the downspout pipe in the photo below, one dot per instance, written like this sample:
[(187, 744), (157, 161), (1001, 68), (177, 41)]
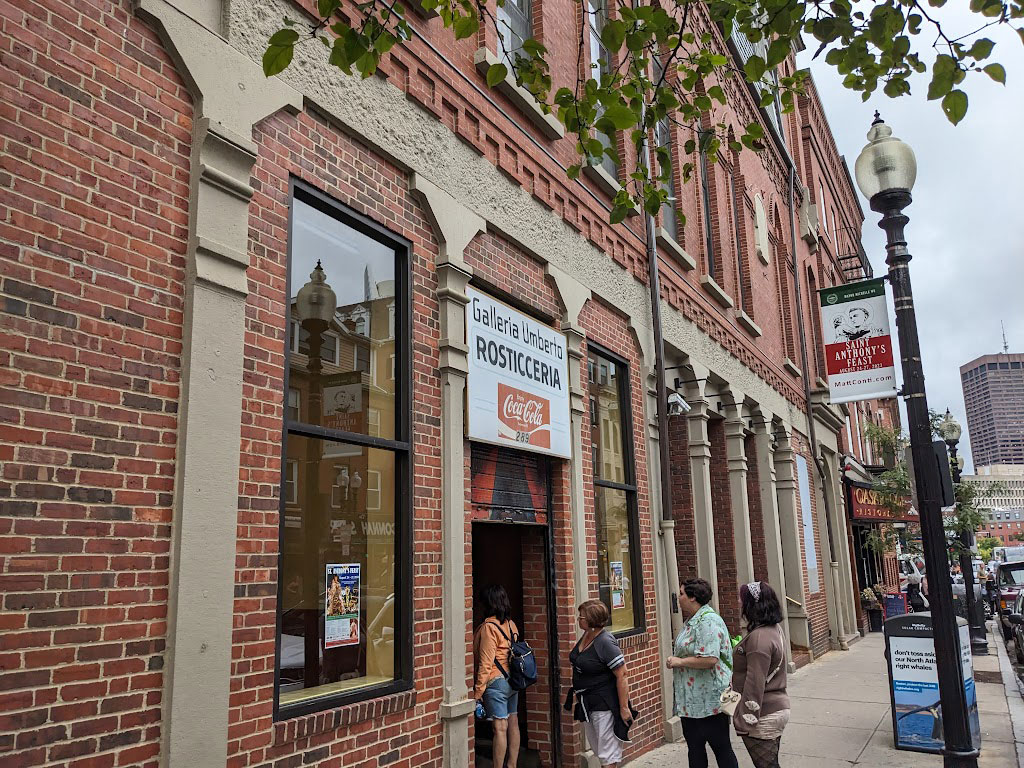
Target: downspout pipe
[(667, 528), (802, 335)]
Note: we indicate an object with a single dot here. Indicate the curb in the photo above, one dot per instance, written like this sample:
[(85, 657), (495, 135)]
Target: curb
[(1014, 696)]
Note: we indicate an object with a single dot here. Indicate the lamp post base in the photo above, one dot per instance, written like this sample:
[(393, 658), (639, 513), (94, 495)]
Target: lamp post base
[(979, 646)]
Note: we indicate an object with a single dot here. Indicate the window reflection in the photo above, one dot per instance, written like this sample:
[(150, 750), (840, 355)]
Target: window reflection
[(339, 497), (614, 490)]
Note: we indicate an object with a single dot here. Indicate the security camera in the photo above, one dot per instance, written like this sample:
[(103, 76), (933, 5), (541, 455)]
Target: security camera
[(676, 405)]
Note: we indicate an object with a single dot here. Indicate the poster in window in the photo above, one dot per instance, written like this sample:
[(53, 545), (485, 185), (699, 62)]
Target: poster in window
[(618, 599), (858, 344), (341, 624), (343, 402)]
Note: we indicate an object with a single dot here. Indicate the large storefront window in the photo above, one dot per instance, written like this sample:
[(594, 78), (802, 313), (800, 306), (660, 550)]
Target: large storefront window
[(343, 627), (618, 563)]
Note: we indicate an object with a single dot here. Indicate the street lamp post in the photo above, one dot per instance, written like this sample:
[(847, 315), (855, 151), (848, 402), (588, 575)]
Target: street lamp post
[(886, 170), (315, 304), (950, 432)]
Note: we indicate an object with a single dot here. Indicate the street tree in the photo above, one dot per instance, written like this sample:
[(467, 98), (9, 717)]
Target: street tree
[(665, 64)]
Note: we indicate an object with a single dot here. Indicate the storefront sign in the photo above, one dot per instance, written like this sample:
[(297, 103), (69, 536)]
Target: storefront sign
[(518, 385), (341, 610), (858, 346), (870, 506)]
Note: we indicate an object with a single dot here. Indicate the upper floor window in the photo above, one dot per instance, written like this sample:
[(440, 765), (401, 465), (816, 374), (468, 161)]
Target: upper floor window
[(344, 607), (705, 193), (615, 504), (663, 140), (601, 64), (515, 25)]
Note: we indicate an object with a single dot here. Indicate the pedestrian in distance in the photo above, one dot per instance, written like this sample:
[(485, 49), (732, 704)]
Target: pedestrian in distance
[(701, 667), (494, 695), (759, 675), (600, 686)]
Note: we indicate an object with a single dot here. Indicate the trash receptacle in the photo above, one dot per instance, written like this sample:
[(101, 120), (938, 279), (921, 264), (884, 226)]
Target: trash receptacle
[(914, 683)]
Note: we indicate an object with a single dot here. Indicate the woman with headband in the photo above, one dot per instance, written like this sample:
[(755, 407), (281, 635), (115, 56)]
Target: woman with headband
[(759, 675)]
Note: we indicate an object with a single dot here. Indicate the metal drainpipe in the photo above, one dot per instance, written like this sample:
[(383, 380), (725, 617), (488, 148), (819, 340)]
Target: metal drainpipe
[(668, 541), (808, 405)]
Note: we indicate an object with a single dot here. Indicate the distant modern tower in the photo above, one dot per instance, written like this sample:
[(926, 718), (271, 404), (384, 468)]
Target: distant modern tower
[(994, 397)]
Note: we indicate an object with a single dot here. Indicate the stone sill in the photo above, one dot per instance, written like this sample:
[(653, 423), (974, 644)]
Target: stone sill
[(666, 241), (820, 383), (715, 291), (790, 366), (522, 98), (603, 179), (748, 322)]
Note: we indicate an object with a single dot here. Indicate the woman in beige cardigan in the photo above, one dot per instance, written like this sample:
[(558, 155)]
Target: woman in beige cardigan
[(759, 675)]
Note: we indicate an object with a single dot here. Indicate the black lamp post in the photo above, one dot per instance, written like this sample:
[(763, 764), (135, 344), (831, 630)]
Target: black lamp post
[(886, 170), (950, 432), (315, 304)]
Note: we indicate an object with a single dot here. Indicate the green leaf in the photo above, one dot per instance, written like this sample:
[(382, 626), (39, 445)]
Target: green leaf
[(996, 72), (955, 106), (496, 73), (613, 34), (621, 116), (278, 56), (284, 37), (466, 26), (943, 72), (573, 171), (981, 49), (618, 213), (754, 68), (326, 7), (716, 93)]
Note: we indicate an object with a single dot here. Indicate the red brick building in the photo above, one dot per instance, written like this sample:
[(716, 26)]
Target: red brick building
[(244, 525)]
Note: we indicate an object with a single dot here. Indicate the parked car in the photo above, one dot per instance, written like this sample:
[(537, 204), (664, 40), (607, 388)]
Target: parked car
[(1009, 582), (1016, 619)]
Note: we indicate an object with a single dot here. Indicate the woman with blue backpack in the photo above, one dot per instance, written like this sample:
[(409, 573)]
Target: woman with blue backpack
[(494, 694)]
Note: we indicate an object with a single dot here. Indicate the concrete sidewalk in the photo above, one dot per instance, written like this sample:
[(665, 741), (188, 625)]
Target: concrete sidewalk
[(840, 716)]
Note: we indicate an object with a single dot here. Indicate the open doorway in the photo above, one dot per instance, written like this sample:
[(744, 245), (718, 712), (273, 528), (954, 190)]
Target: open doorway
[(514, 555)]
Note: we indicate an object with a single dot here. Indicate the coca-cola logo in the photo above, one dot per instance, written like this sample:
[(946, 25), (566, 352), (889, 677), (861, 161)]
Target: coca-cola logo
[(529, 413), (525, 416)]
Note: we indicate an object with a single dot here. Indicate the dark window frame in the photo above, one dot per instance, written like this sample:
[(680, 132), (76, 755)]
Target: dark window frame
[(709, 230), (401, 446), (737, 221), (622, 371)]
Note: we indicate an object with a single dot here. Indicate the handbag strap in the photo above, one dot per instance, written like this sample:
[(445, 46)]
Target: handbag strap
[(782, 660)]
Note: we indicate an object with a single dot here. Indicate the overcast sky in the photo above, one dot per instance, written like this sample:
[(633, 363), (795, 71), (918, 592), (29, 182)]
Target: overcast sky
[(966, 231)]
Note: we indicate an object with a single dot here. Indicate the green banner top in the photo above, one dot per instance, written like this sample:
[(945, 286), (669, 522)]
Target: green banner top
[(841, 294)]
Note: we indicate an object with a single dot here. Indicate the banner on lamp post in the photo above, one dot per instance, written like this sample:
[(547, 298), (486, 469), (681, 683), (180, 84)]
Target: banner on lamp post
[(858, 345)]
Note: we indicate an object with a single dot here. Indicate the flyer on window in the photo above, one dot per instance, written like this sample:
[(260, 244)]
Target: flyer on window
[(618, 599), (341, 625)]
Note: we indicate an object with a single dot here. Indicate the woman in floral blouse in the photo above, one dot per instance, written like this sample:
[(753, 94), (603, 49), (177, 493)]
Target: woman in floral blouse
[(702, 668)]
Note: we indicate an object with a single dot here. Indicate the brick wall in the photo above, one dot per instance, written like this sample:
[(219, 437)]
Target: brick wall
[(537, 699), (682, 498), (94, 180), (756, 518), (725, 540)]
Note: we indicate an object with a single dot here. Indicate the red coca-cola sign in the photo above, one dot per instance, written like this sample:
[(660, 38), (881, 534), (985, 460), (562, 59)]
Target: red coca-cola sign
[(525, 418)]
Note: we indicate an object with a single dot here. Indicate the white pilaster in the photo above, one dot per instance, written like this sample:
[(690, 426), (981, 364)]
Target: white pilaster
[(455, 226)]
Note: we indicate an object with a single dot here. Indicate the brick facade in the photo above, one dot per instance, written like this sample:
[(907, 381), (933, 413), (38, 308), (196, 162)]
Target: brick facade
[(94, 227), (93, 223)]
